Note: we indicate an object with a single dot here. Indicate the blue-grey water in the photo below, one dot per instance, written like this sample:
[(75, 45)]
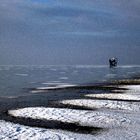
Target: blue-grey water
[(15, 79)]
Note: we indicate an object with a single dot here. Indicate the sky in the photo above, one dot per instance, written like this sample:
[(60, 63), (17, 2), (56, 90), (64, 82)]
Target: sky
[(69, 32)]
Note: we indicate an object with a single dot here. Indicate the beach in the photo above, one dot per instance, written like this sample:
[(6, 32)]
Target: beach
[(69, 69), (69, 103), (111, 113)]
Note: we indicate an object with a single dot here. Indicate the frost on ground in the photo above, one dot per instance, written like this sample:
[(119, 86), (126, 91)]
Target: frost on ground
[(115, 96), (106, 104), (81, 117), (133, 93), (132, 89), (11, 131)]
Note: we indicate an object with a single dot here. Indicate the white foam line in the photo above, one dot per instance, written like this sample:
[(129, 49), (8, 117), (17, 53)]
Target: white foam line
[(117, 105), (81, 117), (55, 87), (54, 83), (40, 89)]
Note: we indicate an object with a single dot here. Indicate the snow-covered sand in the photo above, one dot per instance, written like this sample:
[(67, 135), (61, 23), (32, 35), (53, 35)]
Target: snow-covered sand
[(81, 117), (11, 131), (117, 105), (132, 94), (120, 119), (115, 96)]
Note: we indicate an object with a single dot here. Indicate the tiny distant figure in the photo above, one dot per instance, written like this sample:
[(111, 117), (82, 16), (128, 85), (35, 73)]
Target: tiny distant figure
[(113, 62)]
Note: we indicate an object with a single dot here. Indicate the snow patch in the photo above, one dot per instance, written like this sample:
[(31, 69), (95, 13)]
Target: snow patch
[(133, 93), (117, 105), (11, 131), (133, 89), (81, 117), (115, 96)]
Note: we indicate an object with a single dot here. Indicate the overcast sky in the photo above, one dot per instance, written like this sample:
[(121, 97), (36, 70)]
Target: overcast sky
[(67, 32)]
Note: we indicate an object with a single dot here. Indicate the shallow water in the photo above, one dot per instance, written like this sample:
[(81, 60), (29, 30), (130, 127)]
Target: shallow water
[(15, 79), (67, 107)]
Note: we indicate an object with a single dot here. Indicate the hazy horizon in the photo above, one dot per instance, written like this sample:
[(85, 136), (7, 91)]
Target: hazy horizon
[(74, 32)]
